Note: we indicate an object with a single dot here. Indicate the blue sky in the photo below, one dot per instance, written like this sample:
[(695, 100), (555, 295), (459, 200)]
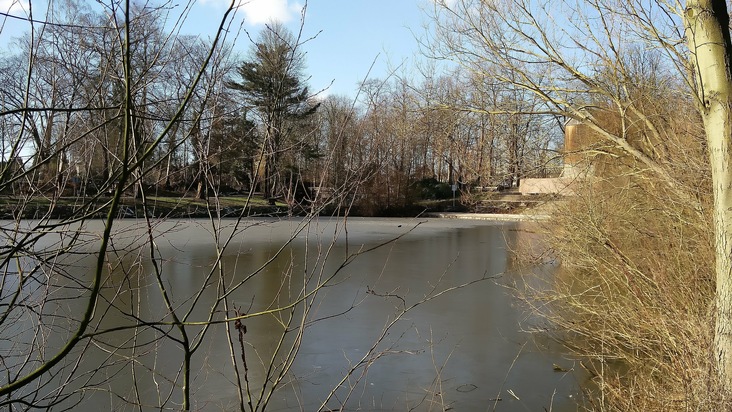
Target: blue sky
[(353, 33)]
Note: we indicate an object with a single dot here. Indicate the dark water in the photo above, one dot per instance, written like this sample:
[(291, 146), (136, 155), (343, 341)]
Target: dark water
[(462, 350)]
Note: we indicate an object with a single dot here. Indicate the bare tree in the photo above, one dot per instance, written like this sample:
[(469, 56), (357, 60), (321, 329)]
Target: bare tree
[(538, 49), (32, 369), (708, 36), (620, 69)]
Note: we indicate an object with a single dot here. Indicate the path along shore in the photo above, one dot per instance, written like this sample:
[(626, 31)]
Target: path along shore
[(504, 217)]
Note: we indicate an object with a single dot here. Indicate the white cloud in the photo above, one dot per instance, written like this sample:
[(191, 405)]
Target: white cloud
[(262, 11), (16, 7)]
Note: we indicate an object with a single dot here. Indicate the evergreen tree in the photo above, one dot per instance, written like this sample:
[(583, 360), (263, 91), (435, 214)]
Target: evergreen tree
[(273, 89)]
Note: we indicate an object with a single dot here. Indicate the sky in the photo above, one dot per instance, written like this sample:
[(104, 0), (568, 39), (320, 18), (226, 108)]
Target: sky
[(349, 35)]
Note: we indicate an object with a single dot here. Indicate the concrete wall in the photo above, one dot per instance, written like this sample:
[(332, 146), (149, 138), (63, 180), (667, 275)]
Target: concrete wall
[(557, 185)]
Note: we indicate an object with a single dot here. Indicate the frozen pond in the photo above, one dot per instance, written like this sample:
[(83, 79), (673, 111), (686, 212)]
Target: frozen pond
[(461, 350)]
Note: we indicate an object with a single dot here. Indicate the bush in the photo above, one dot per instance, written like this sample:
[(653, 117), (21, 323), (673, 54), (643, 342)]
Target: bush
[(633, 293), (431, 189)]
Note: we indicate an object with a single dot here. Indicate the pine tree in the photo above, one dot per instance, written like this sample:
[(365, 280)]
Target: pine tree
[(273, 89)]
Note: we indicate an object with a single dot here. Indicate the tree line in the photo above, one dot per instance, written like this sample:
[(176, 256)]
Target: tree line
[(252, 124)]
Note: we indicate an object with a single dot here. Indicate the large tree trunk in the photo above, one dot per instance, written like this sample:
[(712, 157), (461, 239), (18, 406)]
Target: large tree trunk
[(707, 30)]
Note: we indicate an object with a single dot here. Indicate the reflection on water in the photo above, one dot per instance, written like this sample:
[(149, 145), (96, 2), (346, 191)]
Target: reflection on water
[(462, 350)]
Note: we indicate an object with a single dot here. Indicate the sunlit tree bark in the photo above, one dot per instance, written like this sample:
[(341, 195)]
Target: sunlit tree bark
[(708, 35)]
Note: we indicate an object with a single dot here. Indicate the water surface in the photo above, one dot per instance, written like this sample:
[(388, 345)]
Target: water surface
[(461, 350)]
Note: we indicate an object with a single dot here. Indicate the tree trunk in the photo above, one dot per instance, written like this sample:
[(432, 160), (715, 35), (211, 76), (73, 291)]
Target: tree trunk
[(201, 192), (707, 28)]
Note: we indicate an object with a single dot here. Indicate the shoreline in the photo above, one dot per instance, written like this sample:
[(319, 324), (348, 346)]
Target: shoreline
[(503, 217), (232, 208)]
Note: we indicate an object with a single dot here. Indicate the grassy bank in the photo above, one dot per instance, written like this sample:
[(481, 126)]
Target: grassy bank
[(12, 207), (172, 206)]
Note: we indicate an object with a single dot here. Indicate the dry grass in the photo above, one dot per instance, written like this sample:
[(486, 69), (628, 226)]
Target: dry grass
[(635, 289)]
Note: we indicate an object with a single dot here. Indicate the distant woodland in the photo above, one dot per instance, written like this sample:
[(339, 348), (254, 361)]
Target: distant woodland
[(250, 123)]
